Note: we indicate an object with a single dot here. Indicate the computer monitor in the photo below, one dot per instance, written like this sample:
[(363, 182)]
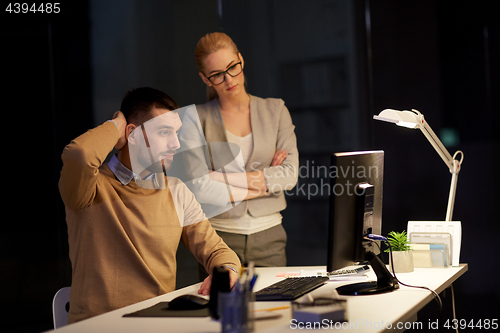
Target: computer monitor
[(356, 191)]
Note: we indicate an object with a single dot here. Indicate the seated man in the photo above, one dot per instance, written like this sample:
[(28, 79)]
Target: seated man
[(124, 228)]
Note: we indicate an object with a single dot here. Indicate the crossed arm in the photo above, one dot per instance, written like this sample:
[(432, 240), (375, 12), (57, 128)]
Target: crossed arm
[(248, 185)]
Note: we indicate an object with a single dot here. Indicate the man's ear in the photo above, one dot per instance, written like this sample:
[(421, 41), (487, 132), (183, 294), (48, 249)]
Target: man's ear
[(128, 131)]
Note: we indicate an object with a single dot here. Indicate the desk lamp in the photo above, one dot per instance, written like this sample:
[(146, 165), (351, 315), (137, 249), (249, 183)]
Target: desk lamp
[(414, 119)]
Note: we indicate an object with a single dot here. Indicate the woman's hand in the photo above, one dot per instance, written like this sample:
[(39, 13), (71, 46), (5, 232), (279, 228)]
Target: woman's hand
[(216, 175), (253, 183), (279, 157)]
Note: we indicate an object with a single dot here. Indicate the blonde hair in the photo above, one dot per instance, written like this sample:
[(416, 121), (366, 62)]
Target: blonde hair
[(207, 45)]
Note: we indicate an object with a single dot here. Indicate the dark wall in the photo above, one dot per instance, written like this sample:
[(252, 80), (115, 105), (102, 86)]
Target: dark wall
[(439, 58), (470, 49), (46, 102), (434, 56)]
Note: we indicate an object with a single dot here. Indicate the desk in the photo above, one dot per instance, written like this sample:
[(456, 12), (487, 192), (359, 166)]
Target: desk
[(368, 313)]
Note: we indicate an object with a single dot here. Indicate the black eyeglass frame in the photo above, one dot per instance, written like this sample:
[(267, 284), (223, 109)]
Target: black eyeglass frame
[(224, 74)]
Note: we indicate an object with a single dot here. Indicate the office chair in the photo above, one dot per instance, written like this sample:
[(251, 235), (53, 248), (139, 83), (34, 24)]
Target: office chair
[(60, 307)]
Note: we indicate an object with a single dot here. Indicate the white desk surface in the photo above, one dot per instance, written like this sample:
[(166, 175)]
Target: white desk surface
[(364, 313)]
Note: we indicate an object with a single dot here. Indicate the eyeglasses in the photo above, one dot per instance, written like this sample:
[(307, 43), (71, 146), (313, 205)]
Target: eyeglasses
[(220, 77)]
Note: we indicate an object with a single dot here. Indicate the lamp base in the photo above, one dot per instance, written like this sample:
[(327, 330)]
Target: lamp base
[(385, 281)]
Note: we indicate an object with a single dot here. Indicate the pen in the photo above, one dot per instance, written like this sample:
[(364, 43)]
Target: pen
[(249, 275), (243, 282), (274, 309), (252, 282)]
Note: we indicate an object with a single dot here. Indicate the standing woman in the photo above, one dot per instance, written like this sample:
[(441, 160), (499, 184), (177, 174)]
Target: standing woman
[(264, 131)]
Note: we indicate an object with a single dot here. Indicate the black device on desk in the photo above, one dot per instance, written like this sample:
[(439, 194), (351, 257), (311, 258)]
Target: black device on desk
[(356, 211), (220, 283)]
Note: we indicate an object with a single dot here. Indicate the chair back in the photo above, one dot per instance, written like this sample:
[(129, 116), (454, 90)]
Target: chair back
[(60, 307)]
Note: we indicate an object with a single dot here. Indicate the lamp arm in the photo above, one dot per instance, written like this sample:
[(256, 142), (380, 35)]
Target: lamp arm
[(437, 144), (452, 163), (453, 190)]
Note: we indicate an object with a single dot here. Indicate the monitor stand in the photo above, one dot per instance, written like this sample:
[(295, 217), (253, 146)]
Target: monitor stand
[(385, 281)]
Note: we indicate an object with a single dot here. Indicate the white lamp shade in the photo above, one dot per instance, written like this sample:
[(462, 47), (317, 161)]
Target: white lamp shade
[(408, 119)]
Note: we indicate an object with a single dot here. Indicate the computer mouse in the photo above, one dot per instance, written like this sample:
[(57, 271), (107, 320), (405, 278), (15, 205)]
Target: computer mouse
[(188, 302)]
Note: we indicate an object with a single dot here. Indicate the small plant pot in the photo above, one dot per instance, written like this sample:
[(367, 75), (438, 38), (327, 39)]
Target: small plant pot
[(403, 261)]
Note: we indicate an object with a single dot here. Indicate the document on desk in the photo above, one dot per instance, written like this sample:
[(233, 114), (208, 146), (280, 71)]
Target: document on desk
[(304, 273), (349, 278), (288, 274), (300, 273), (340, 277)]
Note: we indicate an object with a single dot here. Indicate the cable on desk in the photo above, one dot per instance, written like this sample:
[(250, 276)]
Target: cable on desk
[(436, 295)]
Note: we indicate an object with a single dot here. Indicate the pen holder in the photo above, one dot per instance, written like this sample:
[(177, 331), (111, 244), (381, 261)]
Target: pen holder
[(236, 312)]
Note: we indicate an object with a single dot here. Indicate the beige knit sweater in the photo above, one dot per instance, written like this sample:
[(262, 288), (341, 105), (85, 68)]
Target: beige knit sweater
[(123, 238)]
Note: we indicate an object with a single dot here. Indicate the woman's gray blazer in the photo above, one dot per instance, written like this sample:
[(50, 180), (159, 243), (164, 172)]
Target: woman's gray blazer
[(272, 129)]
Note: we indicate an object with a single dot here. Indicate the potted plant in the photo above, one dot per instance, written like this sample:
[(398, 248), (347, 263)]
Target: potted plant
[(401, 252)]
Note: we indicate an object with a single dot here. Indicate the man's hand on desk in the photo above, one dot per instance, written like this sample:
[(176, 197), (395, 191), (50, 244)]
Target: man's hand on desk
[(207, 283)]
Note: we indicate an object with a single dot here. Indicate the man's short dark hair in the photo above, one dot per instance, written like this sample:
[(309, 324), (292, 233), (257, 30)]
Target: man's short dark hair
[(137, 104)]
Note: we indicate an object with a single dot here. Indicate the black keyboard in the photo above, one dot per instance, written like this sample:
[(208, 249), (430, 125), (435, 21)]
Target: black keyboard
[(290, 288)]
